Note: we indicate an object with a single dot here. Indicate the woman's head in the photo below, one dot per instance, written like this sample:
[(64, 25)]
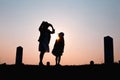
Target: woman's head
[(45, 24)]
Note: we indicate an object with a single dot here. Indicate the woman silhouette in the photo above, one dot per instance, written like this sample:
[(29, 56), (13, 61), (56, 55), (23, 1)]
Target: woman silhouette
[(44, 39)]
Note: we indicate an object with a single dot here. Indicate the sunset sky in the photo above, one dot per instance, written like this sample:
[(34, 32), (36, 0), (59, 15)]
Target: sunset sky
[(84, 22)]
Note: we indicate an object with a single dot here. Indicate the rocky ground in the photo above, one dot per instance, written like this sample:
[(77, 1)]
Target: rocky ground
[(68, 72)]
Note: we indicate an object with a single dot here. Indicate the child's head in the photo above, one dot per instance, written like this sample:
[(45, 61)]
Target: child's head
[(61, 34)]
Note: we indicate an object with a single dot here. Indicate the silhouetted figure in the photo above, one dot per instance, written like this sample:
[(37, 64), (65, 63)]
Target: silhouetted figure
[(58, 48), (19, 54), (44, 39)]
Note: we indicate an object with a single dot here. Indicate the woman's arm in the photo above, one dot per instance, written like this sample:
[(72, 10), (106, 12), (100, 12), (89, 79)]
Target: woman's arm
[(53, 30)]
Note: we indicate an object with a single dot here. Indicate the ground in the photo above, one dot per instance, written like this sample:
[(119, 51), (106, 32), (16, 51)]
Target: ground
[(71, 72)]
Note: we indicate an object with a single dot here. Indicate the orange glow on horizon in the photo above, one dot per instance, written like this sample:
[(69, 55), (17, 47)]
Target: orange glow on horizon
[(83, 24)]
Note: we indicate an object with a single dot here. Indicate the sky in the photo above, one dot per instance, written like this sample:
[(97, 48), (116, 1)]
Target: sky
[(85, 23)]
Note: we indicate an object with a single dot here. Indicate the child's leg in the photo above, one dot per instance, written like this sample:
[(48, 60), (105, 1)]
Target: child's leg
[(59, 58), (56, 60)]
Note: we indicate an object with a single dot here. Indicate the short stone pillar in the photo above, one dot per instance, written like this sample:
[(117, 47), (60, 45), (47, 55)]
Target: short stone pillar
[(19, 54), (119, 62), (91, 62)]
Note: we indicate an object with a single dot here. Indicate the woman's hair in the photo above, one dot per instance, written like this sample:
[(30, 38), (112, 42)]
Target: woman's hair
[(45, 24)]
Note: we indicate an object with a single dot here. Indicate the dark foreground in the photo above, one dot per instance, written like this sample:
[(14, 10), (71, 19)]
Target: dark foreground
[(81, 72)]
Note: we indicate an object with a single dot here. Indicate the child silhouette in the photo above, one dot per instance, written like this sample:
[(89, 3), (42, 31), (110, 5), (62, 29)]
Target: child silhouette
[(58, 48)]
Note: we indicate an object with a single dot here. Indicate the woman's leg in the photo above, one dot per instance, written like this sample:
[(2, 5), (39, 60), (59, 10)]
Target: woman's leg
[(56, 60), (41, 57)]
